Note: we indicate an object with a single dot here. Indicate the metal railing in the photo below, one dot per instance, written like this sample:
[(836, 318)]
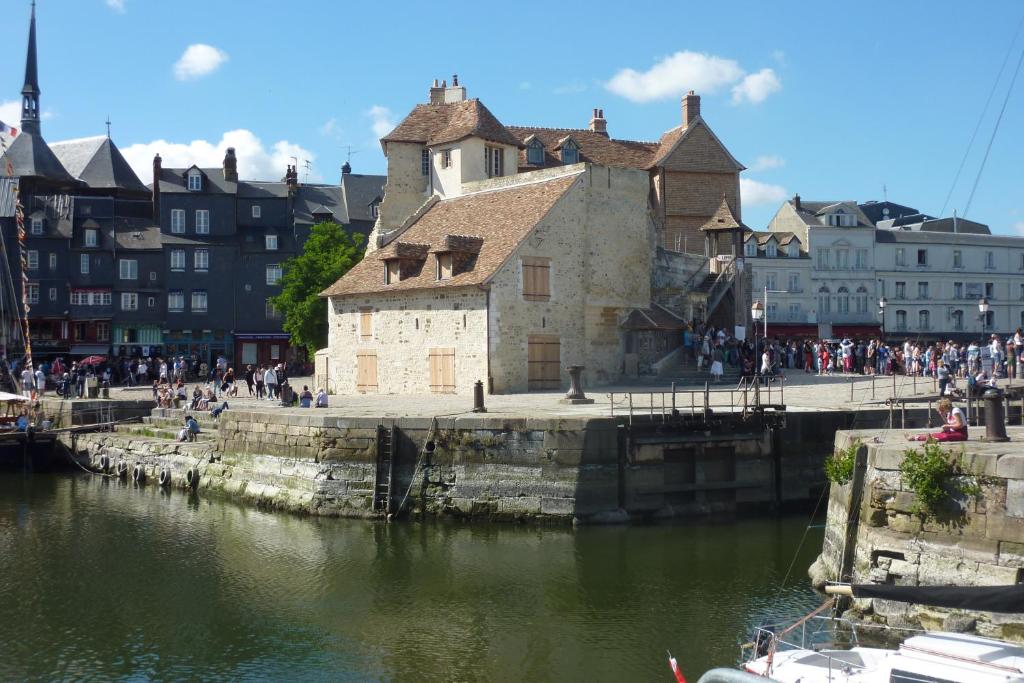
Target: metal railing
[(750, 395)]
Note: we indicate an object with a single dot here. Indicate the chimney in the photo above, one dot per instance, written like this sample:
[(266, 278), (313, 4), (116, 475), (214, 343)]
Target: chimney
[(436, 94), (598, 123), (291, 179), (230, 166), (691, 108), (456, 93), (796, 202), (157, 169), (346, 168)]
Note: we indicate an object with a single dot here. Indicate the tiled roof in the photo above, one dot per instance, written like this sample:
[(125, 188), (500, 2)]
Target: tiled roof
[(594, 147), (502, 218), (671, 138), (723, 219), (248, 189), (98, 163), (436, 124), (653, 318), (173, 180), (403, 250), (311, 200)]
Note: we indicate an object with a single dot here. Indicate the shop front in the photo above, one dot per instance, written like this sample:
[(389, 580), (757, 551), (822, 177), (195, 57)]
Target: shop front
[(201, 346), (138, 341), (268, 348)]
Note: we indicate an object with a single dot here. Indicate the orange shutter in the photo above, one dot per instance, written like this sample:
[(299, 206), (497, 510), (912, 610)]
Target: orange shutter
[(366, 371), (544, 362)]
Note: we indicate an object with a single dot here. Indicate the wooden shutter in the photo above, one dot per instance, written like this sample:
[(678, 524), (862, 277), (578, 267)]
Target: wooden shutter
[(366, 371), (536, 278), (544, 362), (442, 371), (365, 323)]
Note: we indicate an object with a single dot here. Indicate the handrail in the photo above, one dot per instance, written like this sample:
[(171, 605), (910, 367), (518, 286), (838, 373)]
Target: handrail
[(721, 286)]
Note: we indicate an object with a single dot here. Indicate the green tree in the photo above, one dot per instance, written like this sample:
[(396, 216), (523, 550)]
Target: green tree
[(328, 254)]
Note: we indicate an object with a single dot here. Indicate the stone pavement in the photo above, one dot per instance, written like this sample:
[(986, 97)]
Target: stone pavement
[(802, 392)]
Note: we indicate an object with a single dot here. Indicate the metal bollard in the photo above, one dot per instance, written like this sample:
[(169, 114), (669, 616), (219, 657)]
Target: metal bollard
[(995, 429), (478, 397)]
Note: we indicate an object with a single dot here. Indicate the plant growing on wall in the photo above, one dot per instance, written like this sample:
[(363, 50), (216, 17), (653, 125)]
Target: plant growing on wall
[(937, 478), (327, 255), (839, 466)]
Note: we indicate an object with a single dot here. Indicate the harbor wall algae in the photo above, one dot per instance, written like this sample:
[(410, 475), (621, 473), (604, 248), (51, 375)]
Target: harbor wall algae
[(874, 535)]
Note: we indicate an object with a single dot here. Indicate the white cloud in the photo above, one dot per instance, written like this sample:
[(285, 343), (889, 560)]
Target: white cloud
[(1019, 227), (755, 193), (255, 161), (767, 162), (674, 75), (116, 5), (382, 120), (756, 87), (10, 113), (198, 60), (331, 129)]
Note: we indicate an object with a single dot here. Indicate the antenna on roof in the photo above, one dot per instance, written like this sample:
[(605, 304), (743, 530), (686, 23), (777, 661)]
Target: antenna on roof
[(349, 152), (108, 126), (885, 193), (306, 165)]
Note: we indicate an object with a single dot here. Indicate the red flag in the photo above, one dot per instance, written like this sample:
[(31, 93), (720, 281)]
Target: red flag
[(675, 668)]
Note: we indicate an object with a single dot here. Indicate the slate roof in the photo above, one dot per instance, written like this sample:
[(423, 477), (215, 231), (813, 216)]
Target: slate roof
[(814, 213), (98, 163), (32, 157), (596, 148), (501, 217), (358, 192), (953, 238), (172, 180), (653, 318), (311, 198), (437, 124), (248, 189), (136, 234)]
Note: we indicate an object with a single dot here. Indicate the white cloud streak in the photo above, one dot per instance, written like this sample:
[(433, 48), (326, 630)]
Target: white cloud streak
[(116, 5), (198, 60), (382, 120), (766, 162), (755, 88), (255, 160), (755, 193)]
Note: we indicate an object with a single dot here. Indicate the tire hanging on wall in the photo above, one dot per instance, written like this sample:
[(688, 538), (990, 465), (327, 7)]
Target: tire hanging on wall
[(139, 474), (192, 477), (165, 476)]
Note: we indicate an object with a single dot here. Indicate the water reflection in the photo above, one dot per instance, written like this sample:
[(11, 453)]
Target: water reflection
[(104, 580)]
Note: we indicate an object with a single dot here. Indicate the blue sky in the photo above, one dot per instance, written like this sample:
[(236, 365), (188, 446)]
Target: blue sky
[(831, 100)]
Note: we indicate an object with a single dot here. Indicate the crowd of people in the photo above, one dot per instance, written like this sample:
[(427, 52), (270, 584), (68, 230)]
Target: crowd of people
[(979, 363)]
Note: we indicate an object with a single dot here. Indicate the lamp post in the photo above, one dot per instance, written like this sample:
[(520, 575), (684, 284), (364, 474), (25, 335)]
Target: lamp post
[(757, 313), (983, 309), (881, 310)]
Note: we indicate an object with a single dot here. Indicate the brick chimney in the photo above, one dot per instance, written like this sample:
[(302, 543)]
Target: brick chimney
[(291, 179), (436, 94), (796, 202), (691, 108), (230, 166), (157, 169), (598, 124)]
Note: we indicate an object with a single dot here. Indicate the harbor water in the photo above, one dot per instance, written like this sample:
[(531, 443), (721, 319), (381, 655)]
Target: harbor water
[(102, 580)]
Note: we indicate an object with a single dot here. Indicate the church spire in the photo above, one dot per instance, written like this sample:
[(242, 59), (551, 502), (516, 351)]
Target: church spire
[(30, 91)]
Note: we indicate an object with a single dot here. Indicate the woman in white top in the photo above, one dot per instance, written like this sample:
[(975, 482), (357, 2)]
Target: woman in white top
[(954, 429)]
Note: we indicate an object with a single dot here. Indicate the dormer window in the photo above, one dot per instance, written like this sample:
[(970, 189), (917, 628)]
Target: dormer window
[(535, 152), (771, 250), (392, 271), (374, 210), (750, 248), (840, 219), (90, 237), (195, 181), (570, 153), (257, 212), (444, 266)]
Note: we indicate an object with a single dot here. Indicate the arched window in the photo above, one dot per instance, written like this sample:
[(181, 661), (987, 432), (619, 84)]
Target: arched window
[(862, 299), (843, 300), (824, 300), (535, 152)]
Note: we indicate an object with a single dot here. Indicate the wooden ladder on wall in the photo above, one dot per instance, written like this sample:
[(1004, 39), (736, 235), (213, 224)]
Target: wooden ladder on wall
[(385, 469)]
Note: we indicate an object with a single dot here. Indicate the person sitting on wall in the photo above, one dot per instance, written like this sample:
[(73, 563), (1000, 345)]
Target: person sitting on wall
[(306, 397), (954, 429), (321, 398), (285, 391), (21, 424), (197, 396), (189, 431), (217, 411)]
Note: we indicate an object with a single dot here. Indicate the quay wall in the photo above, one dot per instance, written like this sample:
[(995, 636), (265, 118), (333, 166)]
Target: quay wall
[(560, 470), (872, 534)]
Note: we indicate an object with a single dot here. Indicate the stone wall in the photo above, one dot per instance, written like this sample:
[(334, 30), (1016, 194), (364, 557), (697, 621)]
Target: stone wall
[(872, 535)]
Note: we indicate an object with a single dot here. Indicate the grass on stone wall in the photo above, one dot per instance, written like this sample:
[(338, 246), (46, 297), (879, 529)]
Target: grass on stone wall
[(839, 466), (938, 479)]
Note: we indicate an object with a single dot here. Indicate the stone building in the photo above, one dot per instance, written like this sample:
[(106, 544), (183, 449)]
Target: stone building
[(505, 253)]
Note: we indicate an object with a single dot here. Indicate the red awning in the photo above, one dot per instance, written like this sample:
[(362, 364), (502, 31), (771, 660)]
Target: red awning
[(854, 331)]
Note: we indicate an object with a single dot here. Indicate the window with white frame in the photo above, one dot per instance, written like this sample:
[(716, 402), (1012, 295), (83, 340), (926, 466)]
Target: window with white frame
[(922, 290), (102, 331), (53, 261), (901, 256), (129, 301), (424, 161), (202, 221), (862, 299), (273, 273), (53, 293), (195, 181), (794, 282), (901, 320), (990, 290), (32, 291), (823, 259), (201, 260), (270, 240), (177, 259), (843, 300), (91, 237), (257, 211), (446, 158), (199, 301), (958, 290), (794, 312), (494, 161), (958, 258), (128, 268), (862, 259), (842, 259), (270, 310), (374, 210), (901, 290), (32, 259), (990, 260), (1022, 292), (37, 225), (958, 320), (824, 300), (178, 221), (175, 300), (83, 264), (771, 311), (769, 281), (771, 249), (924, 320), (750, 247)]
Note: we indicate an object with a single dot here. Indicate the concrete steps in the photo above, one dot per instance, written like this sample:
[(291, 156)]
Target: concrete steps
[(152, 431)]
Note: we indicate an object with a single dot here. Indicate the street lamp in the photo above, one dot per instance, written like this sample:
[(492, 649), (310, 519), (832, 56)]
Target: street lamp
[(983, 309), (757, 313), (881, 309)]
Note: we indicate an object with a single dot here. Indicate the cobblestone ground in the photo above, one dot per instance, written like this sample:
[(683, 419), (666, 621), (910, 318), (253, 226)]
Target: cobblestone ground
[(799, 392)]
